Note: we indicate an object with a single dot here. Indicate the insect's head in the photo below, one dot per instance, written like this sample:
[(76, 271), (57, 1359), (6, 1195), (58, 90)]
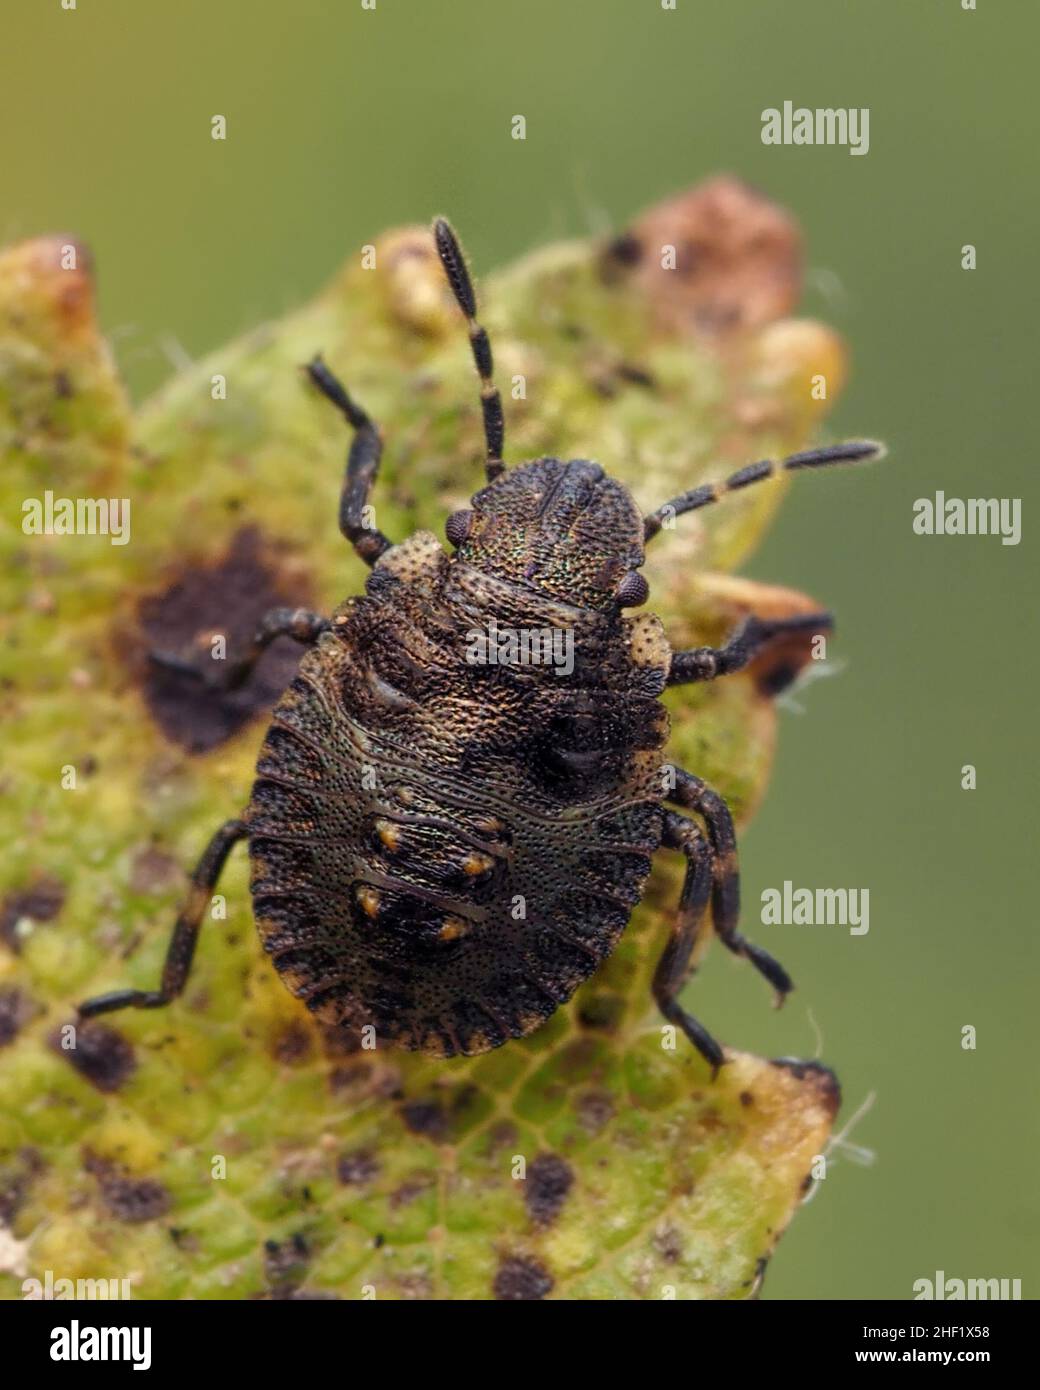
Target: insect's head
[(565, 530)]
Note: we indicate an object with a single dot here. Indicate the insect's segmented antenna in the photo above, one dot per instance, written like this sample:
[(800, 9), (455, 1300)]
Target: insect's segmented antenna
[(853, 451), (454, 264)]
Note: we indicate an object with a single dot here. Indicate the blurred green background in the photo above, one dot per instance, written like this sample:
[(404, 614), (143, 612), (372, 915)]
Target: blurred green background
[(344, 122)]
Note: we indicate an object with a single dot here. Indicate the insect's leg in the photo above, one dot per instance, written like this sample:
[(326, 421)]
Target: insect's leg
[(749, 641), (181, 949), (694, 795), (301, 624), (366, 449), (674, 968), (454, 264)]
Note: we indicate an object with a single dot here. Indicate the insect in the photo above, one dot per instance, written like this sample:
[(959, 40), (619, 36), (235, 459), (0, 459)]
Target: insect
[(445, 841)]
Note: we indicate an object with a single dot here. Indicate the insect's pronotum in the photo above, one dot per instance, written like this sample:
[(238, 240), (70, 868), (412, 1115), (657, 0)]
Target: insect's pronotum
[(445, 845)]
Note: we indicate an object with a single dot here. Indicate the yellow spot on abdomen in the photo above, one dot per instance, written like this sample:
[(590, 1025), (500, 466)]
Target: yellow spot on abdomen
[(389, 833), (453, 928), (369, 900)]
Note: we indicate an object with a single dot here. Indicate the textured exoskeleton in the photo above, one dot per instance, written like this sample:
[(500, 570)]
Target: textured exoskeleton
[(460, 793)]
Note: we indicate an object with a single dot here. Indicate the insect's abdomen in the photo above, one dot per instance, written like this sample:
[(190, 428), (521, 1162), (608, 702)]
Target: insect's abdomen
[(391, 889)]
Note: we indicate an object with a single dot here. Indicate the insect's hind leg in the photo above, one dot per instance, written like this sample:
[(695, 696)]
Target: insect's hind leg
[(675, 965), (694, 795), (181, 949), (366, 449)]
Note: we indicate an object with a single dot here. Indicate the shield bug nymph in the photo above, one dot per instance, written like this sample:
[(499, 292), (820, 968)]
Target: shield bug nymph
[(460, 793)]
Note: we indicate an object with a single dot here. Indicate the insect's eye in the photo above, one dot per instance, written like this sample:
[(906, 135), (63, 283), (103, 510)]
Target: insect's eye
[(633, 590), (457, 527)]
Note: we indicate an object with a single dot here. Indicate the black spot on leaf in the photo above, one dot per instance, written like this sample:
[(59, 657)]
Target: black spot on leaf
[(286, 1263), (228, 597), (521, 1278), (127, 1198), (16, 1009), (40, 902), (101, 1055), (357, 1167), (549, 1179), (426, 1117)]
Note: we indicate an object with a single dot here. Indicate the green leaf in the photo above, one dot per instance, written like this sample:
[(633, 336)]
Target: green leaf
[(225, 1147)]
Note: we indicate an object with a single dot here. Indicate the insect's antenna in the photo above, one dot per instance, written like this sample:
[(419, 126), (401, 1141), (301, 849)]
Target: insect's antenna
[(454, 264), (853, 451)]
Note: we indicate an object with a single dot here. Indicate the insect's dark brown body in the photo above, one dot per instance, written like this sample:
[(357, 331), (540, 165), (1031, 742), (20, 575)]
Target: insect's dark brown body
[(445, 849), (444, 845)]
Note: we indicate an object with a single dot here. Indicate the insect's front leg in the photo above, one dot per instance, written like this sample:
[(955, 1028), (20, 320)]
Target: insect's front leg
[(751, 639), (181, 950), (366, 449), (300, 624), (694, 795)]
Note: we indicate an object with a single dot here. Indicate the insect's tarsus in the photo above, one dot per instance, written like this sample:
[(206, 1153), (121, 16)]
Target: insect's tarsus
[(852, 451), (454, 264)]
